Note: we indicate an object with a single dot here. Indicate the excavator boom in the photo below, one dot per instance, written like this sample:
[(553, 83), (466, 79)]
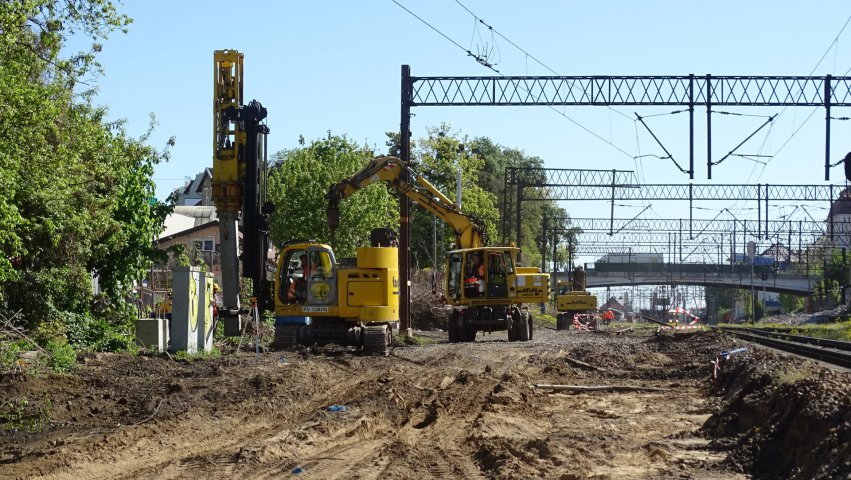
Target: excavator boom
[(469, 230)]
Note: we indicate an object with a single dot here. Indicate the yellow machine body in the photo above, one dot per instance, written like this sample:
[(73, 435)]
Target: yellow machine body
[(228, 139), (581, 301), (366, 293), (484, 284), (499, 282)]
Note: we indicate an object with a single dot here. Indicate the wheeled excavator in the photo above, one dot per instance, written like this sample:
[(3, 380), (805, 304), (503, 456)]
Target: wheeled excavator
[(486, 288), (572, 298)]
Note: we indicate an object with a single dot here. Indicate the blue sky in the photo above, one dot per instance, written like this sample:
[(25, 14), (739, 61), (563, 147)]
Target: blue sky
[(335, 65)]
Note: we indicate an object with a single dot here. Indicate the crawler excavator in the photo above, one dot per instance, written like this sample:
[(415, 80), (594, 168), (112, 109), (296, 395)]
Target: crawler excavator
[(483, 284)]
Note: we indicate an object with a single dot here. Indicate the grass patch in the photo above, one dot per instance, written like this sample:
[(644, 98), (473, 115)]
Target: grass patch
[(184, 356), (637, 325), (833, 331), (24, 356), (23, 414), (543, 319), (792, 374)]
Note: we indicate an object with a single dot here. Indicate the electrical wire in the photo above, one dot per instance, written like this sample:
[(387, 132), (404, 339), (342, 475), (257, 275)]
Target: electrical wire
[(478, 59), (539, 62), (827, 50)]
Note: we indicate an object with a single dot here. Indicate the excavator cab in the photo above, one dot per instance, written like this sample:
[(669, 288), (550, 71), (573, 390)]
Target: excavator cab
[(488, 274), (308, 274), (354, 303)]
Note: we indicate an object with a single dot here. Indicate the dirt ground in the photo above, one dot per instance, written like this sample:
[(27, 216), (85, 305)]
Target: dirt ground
[(435, 410)]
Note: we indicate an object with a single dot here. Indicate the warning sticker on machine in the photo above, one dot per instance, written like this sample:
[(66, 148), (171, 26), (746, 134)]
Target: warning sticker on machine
[(314, 309)]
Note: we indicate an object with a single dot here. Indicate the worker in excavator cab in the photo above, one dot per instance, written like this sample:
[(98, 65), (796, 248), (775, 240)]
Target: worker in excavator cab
[(301, 283), (297, 278), (474, 282)]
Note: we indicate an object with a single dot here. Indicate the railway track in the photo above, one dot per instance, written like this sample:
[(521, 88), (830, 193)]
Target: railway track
[(836, 352)]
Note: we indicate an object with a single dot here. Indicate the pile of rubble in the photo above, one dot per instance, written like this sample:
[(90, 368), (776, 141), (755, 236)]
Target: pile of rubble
[(825, 316), (783, 417)]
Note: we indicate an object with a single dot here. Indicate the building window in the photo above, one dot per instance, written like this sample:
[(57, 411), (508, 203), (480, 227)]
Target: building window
[(206, 245)]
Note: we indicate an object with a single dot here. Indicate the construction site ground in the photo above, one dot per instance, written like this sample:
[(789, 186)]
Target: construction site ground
[(438, 410)]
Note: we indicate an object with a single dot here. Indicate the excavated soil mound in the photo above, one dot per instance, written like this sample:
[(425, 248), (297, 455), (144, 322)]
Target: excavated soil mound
[(783, 418)]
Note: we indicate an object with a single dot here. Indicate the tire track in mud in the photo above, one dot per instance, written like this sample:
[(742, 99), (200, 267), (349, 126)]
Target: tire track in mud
[(180, 443), (438, 410)]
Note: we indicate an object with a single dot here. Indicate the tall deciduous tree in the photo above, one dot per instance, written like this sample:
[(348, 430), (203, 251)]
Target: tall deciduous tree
[(439, 159), (298, 185), (75, 189)]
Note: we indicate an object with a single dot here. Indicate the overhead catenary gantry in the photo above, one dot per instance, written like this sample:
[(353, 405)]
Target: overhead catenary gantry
[(606, 90), (643, 90), (523, 184)]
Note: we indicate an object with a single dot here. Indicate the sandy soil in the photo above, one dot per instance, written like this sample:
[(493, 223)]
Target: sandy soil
[(437, 410)]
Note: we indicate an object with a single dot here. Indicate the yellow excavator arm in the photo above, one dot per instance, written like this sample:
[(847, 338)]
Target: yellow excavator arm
[(401, 178)]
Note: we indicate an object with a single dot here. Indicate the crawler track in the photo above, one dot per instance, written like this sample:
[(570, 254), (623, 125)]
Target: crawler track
[(831, 351)]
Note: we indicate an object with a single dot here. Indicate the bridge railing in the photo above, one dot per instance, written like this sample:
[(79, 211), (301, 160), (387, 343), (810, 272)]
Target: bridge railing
[(682, 268)]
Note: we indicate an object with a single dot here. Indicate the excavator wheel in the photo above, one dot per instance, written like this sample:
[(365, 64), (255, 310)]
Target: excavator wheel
[(377, 339), (453, 327), (561, 322), (514, 322), (469, 333), (529, 323), (523, 328)]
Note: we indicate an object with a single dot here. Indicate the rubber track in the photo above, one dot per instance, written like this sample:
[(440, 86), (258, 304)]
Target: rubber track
[(286, 336), (375, 338)]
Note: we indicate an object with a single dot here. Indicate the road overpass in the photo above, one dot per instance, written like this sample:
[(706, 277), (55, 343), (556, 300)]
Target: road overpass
[(731, 276)]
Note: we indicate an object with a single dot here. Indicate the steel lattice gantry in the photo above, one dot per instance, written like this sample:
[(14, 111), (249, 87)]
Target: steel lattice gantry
[(599, 90), (554, 184), (719, 225), (646, 90), (653, 90)]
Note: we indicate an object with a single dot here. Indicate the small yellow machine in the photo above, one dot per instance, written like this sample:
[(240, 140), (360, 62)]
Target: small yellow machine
[(572, 298), (486, 287), (319, 301)]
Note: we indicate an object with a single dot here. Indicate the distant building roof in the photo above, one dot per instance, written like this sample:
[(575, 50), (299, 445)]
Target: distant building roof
[(181, 233), (841, 206), (613, 304), (187, 217), (196, 191)]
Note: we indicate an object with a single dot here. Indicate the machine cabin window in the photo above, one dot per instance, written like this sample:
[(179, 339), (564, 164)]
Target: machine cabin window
[(454, 280), (475, 274), (294, 281), (509, 262), (497, 285), (321, 285)]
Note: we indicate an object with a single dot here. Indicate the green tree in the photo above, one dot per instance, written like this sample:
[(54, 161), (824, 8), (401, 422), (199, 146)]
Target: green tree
[(791, 303), (720, 299), (438, 159), (75, 189), (497, 159), (298, 185), (484, 163)]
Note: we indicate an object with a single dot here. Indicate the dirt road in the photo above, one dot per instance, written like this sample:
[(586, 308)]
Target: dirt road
[(437, 410)]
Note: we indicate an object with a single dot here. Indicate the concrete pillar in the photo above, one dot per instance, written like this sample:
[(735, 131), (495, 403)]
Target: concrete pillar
[(183, 328), (205, 312), (152, 333)]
